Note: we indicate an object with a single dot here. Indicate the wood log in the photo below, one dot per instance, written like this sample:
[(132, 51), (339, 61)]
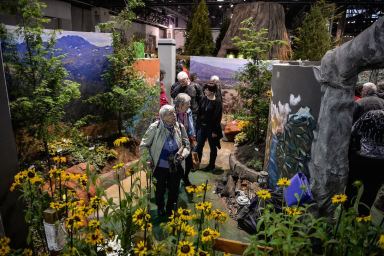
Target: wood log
[(234, 247), (266, 15)]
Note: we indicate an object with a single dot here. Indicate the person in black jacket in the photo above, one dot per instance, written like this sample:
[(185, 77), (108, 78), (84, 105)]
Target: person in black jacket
[(209, 119), (184, 85)]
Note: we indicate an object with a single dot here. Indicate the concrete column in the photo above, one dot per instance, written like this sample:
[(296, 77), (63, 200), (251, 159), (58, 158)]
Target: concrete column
[(167, 56), (11, 209)]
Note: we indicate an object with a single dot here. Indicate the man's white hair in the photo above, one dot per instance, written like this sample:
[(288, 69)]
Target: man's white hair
[(368, 89), (165, 110), (214, 78), (182, 75)]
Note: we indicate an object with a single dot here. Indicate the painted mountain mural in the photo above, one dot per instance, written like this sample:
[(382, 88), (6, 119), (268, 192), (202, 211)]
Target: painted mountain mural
[(84, 61)]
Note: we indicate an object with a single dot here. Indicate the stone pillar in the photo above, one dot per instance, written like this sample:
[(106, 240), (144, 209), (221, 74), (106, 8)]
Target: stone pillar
[(167, 56), (11, 209)]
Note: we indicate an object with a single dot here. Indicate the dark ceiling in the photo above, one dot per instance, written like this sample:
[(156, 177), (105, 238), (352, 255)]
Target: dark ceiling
[(360, 13)]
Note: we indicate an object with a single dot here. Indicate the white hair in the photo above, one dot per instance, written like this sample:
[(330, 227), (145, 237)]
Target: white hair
[(214, 78), (165, 110), (182, 75), (182, 98), (368, 89)]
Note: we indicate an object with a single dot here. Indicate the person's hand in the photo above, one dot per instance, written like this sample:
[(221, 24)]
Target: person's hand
[(150, 164), (179, 157), (193, 143), (214, 135)]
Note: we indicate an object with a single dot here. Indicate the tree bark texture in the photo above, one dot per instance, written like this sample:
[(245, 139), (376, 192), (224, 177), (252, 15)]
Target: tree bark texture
[(266, 15)]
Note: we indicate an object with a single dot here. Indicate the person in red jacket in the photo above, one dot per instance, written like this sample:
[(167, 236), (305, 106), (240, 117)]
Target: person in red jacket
[(163, 94)]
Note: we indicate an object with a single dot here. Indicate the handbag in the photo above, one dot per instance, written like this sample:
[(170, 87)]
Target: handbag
[(298, 192)]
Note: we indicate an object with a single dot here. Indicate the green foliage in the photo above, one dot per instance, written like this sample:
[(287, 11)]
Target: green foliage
[(314, 39), (39, 89), (189, 28), (127, 91), (255, 77), (223, 31), (200, 40)]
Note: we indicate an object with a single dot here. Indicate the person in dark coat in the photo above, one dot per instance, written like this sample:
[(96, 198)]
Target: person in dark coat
[(369, 101), (209, 124), (184, 85)]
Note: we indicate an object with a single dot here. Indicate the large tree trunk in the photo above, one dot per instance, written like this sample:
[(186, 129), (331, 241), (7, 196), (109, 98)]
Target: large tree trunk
[(266, 15)]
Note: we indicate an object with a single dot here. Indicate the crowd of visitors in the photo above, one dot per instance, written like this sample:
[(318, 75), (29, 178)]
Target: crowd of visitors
[(180, 133), (367, 142)]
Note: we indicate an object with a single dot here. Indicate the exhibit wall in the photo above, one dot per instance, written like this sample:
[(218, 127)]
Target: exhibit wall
[(294, 110)]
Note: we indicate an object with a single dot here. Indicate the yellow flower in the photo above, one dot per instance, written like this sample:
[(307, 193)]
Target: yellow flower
[(283, 182), (242, 124), (293, 211), (94, 238), (83, 180), (140, 216), (202, 253), (218, 216), (140, 249), (74, 221), (96, 202), (209, 234), (118, 166), (191, 189), (65, 176), (203, 187), (27, 252), (37, 180), (381, 241), (188, 230), (59, 159), (263, 194), (204, 206), (363, 218), (185, 214), (226, 254), (339, 198), (56, 205), (18, 180), (120, 141), (4, 246), (94, 224), (129, 172), (185, 248), (149, 226)]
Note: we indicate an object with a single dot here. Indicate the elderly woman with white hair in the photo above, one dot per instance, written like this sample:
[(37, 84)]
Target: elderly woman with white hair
[(369, 101), (184, 116), (166, 145)]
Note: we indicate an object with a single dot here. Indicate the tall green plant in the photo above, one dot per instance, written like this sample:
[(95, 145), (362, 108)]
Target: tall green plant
[(39, 89), (127, 91), (200, 40), (255, 77), (314, 39)]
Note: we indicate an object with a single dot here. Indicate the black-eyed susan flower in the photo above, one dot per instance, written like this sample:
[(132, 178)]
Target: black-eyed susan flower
[(293, 211), (140, 249), (188, 230), (140, 216), (283, 182), (202, 253), (83, 180), (129, 172), (56, 205), (339, 199), (96, 202), (185, 214), (19, 179), (27, 252), (94, 224), (4, 246), (74, 222), (218, 216), (227, 254), (204, 206), (185, 248), (263, 194), (203, 187), (148, 225), (94, 238), (209, 234), (363, 218), (381, 241), (59, 159), (120, 141), (191, 189)]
